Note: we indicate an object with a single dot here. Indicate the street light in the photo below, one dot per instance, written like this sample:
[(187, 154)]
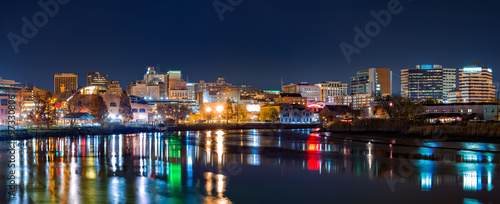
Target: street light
[(220, 108)]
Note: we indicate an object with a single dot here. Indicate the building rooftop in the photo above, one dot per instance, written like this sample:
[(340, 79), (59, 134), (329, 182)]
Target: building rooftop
[(474, 64)]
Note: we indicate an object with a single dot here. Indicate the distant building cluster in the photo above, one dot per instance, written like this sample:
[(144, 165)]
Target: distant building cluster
[(454, 92)]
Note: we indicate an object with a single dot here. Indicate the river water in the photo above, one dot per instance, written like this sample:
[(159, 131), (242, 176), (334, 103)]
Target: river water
[(249, 166)]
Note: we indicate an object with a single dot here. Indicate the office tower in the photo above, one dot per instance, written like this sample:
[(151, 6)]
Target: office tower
[(374, 82), (330, 89), (428, 81), (476, 84)]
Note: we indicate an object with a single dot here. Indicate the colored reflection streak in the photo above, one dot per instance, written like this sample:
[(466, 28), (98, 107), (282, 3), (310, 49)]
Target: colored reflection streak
[(220, 146), (313, 155), (426, 181), (174, 165), (219, 187), (471, 181)]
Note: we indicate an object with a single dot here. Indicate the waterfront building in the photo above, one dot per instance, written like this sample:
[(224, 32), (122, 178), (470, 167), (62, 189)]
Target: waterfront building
[(290, 113), (461, 112)]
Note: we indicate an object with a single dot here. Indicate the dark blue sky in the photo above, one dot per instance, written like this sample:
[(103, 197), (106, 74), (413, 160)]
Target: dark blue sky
[(257, 43)]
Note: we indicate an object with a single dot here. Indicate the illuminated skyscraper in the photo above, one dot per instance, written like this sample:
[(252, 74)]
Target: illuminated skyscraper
[(428, 81), (374, 82), (65, 82), (476, 84)]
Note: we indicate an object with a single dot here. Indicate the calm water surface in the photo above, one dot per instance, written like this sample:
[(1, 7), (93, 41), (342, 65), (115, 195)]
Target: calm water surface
[(250, 166)]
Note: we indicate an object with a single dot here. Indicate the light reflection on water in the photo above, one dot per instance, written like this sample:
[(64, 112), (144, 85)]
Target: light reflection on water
[(187, 167)]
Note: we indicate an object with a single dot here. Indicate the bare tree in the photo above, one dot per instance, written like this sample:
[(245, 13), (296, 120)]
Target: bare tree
[(44, 111), (401, 108)]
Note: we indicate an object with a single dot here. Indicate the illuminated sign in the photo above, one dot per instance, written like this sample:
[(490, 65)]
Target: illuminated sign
[(426, 66), (315, 105), (473, 69)]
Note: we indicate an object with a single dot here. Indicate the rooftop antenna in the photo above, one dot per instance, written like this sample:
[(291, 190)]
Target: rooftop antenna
[(281, 83)]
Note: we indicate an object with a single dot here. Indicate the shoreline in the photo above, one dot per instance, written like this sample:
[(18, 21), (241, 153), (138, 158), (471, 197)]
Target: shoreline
[(111, 130)]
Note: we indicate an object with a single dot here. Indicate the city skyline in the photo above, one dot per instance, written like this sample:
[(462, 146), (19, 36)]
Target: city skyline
[(239, 47)]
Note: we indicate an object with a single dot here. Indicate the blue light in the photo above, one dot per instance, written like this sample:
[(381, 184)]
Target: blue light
[(426, 66)]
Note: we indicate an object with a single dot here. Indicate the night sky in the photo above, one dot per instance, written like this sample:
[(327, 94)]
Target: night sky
[(256, 44)]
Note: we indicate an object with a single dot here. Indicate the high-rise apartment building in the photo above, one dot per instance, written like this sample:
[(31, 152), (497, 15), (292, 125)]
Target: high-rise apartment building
[(428, 81), (476, 84), (374, 82), (65, 82), (330, 89)]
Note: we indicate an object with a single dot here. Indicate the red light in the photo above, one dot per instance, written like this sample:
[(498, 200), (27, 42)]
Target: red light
[(312, 106), (58, 105), (314, 135), (313, 164)]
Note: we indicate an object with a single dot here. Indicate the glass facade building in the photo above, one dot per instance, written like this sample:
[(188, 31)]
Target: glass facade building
[(374, 82), (427, 81)]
